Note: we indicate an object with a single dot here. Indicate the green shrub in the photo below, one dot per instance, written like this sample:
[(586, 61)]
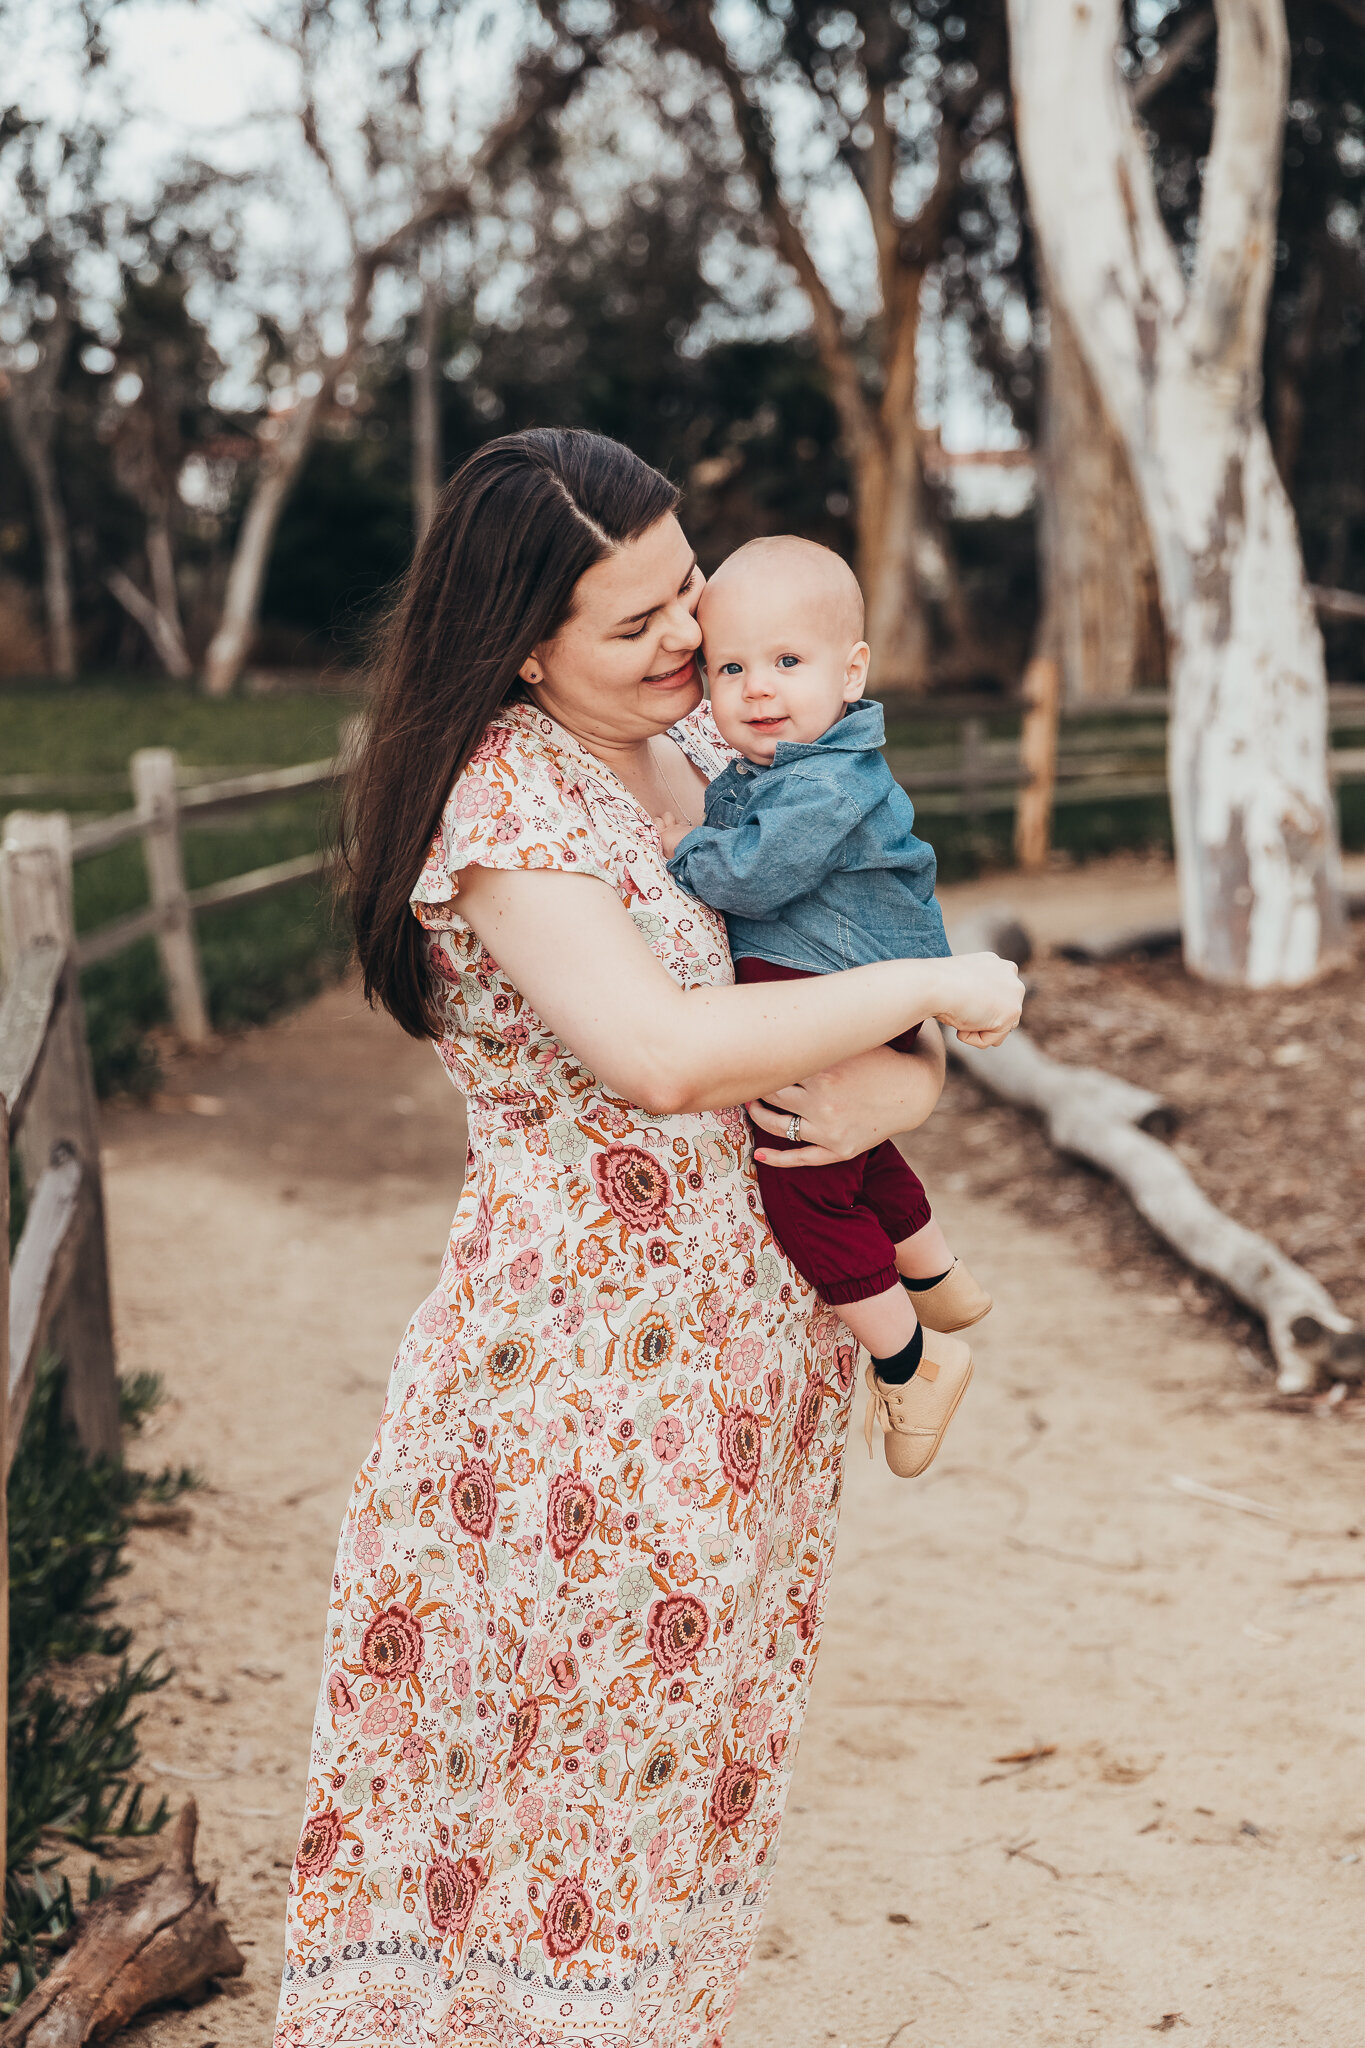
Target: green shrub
[(73, 1689)]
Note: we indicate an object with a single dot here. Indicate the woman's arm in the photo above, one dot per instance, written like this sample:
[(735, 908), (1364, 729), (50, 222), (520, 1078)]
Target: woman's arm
[(568, 944), (851, 1107)]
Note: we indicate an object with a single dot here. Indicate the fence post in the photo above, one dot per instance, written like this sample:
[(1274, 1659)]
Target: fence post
[(1038, 759), (4, 1490), (35, 903), (973, 771), (154, 786)]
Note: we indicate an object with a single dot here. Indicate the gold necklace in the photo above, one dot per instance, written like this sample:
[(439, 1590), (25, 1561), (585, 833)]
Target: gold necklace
[(684, 814)]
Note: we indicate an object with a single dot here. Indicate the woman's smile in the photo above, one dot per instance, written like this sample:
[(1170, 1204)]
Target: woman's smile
[(676, 678)]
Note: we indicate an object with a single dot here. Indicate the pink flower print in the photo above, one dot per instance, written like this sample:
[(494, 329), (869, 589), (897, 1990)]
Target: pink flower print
[(597, 1738), (450, 1631), (369, 1546), (685, 1484), (359, 1921), (594, 1422), (340, 1698), (756, 1722), (743, 1359), (383, 1716), (524, 1271), (667, 1437), (530, 1812), (633, 1184), (716, 1327), (472, 799), (510, 826), (434, 1315), (460, 1678), (744, 1237), (573, 1316), (657, 1850), (413, 1752)]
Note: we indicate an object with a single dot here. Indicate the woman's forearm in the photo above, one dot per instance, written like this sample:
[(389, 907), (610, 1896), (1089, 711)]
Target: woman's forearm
[(568, 944), (731, 1048)]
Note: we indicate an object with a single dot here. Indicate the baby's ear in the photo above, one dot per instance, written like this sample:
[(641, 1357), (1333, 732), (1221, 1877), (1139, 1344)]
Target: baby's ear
[(855, 672)]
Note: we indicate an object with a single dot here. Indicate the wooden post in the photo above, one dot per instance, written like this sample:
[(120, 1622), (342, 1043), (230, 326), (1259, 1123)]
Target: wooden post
[(4, 1489), (35, 903), (154, 786), (973, 771), (1038, 759)]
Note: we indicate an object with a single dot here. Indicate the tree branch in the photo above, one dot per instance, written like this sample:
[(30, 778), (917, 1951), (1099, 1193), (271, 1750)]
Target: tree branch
[(1173, 56), (1233, 258), (692, 30), (162, 632)]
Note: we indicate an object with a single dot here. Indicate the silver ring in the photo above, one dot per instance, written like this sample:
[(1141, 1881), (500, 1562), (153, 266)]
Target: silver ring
[(794, 1131)]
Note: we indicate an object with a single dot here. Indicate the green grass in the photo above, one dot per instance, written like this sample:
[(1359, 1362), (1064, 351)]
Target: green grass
[(91, 728), (257, 958)]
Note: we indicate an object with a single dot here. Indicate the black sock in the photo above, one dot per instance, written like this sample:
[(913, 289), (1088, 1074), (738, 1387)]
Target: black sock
[(901, 1365), (919, 1286)]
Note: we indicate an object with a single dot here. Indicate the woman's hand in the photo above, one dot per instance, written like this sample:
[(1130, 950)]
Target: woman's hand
[(851, 1107)]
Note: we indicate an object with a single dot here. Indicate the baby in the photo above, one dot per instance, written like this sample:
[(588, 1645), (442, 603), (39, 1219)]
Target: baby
[(809, 850)]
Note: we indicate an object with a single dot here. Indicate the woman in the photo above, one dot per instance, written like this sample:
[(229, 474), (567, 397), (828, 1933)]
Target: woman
[(578, 1593)]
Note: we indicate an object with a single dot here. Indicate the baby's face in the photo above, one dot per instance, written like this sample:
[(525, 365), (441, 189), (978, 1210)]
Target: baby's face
[(779, 667)]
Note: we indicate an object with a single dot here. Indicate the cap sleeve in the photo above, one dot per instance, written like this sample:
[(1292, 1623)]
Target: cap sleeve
[(515, 805)]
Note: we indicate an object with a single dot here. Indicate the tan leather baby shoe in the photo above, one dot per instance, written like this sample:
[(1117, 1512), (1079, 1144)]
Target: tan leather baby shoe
[(914, 1417), (955, 1303)]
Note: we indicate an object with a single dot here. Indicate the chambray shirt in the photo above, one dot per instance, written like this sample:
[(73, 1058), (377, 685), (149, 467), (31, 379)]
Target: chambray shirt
[(814, 860)]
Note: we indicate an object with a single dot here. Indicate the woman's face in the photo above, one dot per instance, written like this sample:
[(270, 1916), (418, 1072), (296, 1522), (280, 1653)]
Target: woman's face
[(623, 667)]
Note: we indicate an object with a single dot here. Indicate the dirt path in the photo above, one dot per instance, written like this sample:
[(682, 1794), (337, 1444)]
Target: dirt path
[(1187, 1856)]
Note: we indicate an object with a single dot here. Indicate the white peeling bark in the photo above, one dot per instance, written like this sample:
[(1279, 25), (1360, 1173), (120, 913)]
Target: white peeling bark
[(275, 479), (1178, 367)]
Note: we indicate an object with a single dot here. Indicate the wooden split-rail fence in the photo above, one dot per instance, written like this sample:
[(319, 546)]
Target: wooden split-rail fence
[(54, 1292)]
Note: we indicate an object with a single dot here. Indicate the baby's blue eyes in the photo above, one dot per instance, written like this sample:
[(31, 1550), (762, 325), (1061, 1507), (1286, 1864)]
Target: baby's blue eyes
[(734, 668)]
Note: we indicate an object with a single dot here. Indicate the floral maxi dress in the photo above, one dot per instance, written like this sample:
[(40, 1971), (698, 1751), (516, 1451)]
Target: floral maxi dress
[(578, 1593)]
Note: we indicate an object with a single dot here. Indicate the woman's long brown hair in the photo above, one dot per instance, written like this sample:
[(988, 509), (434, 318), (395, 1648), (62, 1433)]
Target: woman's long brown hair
[(514, 530)]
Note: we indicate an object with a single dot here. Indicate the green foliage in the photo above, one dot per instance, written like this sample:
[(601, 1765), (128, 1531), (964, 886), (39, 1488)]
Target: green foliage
[(73, 1721)]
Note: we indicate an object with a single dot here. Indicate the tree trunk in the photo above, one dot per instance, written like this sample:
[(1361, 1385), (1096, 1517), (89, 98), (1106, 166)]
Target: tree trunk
[(280, 465), (887, 482), (1178, 365), (1102, 614), (33, 419), (426, 413), (158, 615)]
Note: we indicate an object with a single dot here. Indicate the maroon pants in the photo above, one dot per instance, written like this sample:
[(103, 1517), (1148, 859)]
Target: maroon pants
[(839, 1225)]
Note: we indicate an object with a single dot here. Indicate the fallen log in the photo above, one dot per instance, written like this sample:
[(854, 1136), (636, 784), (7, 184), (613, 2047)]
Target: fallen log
[(1109, 1122), (150, 1941)]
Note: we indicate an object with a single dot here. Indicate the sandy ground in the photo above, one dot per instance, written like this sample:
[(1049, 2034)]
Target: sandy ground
[(1185, 1852)]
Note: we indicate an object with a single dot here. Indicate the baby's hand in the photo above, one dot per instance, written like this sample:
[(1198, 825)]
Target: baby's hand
[(671, 832), (984, 1038)]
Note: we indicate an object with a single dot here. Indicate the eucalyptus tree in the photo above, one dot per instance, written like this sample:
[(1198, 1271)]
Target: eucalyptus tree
[(382, 114), (50, 217), (875, 139), (1176, 353)]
